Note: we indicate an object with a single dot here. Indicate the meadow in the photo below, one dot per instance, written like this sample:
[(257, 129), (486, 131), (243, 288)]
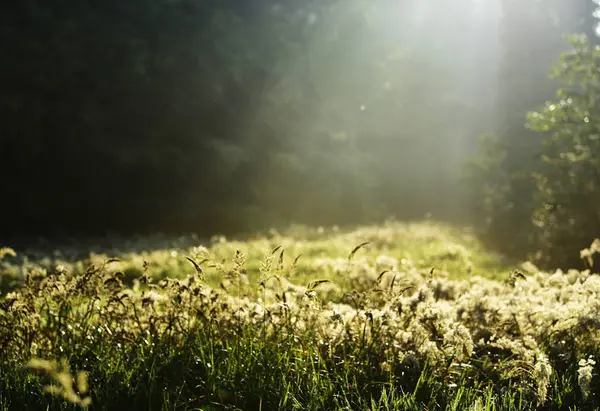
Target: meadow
[(397, 316)]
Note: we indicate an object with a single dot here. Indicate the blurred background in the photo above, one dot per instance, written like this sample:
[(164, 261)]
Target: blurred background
[(234, 116)]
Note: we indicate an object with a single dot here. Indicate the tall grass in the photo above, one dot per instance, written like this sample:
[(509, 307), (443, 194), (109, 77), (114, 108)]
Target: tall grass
[(369, 327)]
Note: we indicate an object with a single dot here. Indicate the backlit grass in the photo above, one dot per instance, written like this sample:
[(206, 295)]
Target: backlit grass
[(398, 316)]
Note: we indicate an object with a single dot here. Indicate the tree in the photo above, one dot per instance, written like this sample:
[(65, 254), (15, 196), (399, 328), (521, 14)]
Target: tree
[(567, 212), (503, 186), (214, 115)]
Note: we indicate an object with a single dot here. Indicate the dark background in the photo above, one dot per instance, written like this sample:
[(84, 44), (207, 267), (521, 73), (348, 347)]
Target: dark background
[(213, 116)]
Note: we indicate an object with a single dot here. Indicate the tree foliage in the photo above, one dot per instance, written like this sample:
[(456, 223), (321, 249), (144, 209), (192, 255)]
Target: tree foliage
[(504, 189), (219, 116), (568, 177)]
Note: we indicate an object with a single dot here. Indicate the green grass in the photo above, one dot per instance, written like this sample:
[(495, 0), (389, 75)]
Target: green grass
[(358, 321), (455, 253)]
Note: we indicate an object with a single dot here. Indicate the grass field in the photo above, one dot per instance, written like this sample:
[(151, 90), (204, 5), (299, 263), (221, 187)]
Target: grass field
[(400, 316)]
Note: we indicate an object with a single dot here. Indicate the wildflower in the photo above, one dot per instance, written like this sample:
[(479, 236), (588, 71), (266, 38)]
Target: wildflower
[(7, 251), (458, 341), (385, 367), (542, 372), (430, 351), (584, 375)]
